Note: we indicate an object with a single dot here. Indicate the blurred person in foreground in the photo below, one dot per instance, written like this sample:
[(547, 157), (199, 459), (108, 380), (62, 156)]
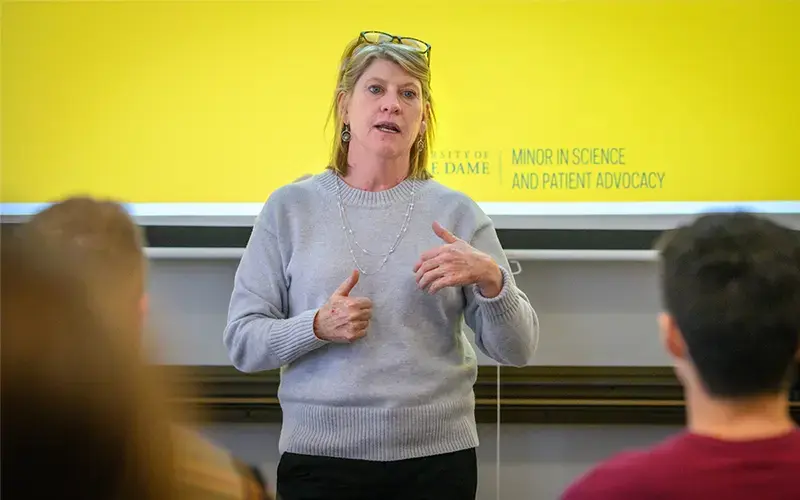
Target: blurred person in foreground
[(108, 249), (81, 416), (731, 290)]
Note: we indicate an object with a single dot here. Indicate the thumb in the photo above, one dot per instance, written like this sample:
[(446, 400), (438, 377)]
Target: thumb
[(345, 288), (443, 233)]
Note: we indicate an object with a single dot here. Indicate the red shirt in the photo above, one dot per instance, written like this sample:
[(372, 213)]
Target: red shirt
[(690, 466)]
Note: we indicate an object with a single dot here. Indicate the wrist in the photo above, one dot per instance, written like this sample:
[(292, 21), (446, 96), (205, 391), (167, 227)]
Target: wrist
[(315, 326), (492, 285)]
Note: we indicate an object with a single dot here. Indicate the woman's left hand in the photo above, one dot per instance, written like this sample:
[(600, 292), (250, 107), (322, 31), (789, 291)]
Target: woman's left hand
[(457, 263)]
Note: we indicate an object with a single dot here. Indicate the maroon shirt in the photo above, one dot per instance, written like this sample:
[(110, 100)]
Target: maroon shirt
[(689, 466)]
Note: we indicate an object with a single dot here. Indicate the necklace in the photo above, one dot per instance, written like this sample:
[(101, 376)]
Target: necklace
[(350, 235)]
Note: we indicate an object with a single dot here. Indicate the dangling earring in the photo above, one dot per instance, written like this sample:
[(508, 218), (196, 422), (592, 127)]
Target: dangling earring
[(421, 143), (346, 133)]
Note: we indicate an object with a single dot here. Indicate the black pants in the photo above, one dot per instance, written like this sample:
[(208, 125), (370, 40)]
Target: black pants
[(452, 476)]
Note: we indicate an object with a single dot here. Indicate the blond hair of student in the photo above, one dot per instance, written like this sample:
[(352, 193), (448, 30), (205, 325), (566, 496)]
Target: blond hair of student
[(105, 244), (108, 248), (82, 416)]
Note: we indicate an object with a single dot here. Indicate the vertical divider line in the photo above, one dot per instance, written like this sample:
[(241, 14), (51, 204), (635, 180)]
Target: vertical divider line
[(497, 437)]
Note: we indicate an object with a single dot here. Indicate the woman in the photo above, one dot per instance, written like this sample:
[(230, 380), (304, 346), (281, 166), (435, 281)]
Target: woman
[(355, 282)]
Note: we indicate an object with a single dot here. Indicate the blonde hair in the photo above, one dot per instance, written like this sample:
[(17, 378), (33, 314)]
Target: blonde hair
[(102, 239), (357, 57), (78, 405)]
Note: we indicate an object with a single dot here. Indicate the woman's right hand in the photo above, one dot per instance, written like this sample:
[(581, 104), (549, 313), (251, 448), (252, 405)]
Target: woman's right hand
[(343, 319)]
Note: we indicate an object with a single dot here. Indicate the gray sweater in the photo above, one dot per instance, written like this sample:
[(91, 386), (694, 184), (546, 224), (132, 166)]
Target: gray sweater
[(405, 390)]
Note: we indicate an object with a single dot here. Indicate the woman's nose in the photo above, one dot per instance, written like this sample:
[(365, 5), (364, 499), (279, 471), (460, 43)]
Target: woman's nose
[(390, 104)]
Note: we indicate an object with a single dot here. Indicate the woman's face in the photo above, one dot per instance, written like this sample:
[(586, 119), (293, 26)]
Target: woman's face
[(385, 110)]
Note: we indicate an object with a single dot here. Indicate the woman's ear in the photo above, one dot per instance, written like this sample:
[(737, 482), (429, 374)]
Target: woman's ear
[(341, 104)]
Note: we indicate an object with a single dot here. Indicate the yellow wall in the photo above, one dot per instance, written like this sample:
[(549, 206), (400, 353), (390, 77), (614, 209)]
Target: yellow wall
[(225, 101)]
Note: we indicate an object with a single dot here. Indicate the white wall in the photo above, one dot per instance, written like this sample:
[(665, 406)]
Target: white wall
[(591, 313)]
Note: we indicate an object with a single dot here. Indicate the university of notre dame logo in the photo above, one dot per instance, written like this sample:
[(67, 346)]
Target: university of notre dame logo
[(461, 162)]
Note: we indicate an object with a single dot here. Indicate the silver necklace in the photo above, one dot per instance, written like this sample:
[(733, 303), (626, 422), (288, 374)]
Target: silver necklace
[(350, 235)]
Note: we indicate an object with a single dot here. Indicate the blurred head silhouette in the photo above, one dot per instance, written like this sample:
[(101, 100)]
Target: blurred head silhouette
[(106, 244), (103, 249), (77, 403)]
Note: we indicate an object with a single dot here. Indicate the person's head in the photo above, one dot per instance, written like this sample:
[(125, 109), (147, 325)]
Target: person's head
[(81, 415), (382, 104), (731, 290), (105, 243)]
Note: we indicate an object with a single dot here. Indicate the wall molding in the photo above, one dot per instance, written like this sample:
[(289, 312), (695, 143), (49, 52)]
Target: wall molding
[(529, 395), (233, 237), (522, 239)]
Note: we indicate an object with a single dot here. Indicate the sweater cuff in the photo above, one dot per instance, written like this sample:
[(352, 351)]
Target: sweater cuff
[(501, 308), (297, 338)]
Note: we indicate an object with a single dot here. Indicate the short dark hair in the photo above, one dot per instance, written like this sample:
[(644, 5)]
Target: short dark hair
[(732, 283)]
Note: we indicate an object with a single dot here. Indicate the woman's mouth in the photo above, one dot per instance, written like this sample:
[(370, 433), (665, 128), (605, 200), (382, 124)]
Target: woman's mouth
[(388, 127)]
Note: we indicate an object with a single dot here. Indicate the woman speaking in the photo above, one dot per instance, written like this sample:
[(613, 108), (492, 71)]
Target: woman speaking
[(355, 281)]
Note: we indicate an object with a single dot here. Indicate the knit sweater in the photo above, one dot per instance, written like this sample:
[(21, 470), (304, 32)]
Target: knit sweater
[(404, 390)]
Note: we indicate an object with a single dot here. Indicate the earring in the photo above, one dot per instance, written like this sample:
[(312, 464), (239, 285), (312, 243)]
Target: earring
[(421, 143), (346, 133)]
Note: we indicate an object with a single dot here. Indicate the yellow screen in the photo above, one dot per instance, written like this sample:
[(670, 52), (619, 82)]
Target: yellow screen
[(546, 103)]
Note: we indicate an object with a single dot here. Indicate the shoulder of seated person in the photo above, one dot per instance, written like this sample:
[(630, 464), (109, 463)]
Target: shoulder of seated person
[(619, 476)]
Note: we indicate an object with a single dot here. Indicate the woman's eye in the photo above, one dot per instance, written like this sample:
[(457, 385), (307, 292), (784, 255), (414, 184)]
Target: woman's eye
[(409, 94), (374, 89)]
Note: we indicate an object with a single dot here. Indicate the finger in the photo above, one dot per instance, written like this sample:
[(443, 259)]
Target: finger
[(360, 326), (361, 303), (346, 287), (443, 282), (443, 233), (357, 331), (361, 315), (428, 255), (430, 265), (432, 276)]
